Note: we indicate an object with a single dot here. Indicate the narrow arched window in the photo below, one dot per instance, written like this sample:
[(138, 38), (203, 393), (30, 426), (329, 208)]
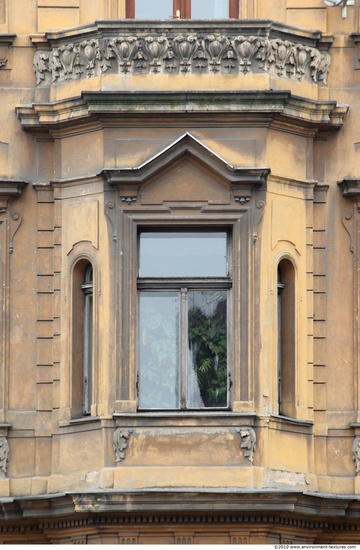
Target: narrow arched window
[(286, 339), (82, 339), (87, 288)]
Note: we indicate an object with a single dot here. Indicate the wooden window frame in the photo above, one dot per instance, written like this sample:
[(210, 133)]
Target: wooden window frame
[(82, 339), (182, 286), (184, 7)]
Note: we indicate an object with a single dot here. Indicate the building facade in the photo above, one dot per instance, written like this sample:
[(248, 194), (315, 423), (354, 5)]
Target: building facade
[(180, 274)]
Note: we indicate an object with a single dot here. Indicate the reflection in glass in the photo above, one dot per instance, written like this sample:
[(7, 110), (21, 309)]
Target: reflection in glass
[(211, 9), (87, 288), (207, 357), (183, 254), (159, 350), (153, 9)]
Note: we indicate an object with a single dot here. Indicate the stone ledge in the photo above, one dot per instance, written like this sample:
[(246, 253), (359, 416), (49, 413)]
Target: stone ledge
[(267, 107)]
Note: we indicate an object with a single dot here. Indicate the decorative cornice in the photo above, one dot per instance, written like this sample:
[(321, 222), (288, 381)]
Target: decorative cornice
[(296, 506), (355, 36), (351, 190), (9, 189), (5, 41), (181, 47), (267, 107)]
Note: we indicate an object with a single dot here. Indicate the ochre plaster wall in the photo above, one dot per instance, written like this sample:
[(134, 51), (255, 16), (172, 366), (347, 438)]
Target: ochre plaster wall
[(68, 209)]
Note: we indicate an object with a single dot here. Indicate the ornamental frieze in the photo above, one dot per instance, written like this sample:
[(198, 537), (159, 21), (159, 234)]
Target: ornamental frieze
[(184, 53)]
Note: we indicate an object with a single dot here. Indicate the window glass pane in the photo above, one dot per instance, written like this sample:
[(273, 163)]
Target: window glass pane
[(153, 9), (207, 356), (210, 9), (183, 254), (159, 350)]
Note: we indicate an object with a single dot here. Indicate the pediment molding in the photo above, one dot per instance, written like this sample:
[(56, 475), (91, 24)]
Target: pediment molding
[(240, 180)]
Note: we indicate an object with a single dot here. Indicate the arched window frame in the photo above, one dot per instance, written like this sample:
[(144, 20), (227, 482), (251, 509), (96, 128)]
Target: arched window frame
[(82, 378), (87, 374)]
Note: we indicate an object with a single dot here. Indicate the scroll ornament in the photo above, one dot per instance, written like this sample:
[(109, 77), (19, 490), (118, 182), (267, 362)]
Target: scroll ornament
[(181, 54)]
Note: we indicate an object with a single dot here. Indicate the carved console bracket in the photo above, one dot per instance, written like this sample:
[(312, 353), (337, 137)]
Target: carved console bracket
[(350, 190), (248, 442), (5, 42), (258, 213), (15, 223), (173, 48), (348, 222), (120, 442), (9, 189), (111, 215)]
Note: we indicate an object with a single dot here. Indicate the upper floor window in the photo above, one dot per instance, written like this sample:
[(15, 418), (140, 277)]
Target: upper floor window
[(184, 9), (183, 289)]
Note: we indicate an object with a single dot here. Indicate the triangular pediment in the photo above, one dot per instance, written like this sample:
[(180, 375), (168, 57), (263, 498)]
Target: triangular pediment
[(185, 170)]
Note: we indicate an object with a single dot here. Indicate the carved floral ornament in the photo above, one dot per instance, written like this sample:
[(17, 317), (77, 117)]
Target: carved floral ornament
[(248, 442), (4, 454), (356, 454), (120, 442), (182, 53)]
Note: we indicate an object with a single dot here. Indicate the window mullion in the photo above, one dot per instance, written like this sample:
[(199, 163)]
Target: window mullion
[(183, 346)]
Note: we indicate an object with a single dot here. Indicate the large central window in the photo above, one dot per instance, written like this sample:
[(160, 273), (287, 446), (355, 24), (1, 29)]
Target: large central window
[(183, 285)]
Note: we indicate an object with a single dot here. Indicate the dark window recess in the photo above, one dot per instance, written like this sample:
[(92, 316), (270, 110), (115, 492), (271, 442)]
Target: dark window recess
[(286, 339)]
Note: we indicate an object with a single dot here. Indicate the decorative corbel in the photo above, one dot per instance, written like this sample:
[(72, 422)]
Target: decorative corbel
[(120, 442), (248, 442)]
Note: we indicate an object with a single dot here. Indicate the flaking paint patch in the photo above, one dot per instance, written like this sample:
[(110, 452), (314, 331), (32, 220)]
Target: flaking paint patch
[(281, 478)]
